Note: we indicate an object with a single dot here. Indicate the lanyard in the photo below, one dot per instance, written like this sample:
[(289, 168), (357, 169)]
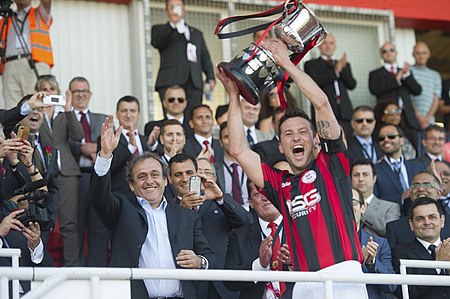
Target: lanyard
[(367, 154)]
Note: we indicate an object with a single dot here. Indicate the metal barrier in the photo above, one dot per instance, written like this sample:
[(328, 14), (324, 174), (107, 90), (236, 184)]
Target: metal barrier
[(53, 276)]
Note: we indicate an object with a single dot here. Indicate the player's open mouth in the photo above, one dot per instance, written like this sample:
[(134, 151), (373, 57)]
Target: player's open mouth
[(298, 150)]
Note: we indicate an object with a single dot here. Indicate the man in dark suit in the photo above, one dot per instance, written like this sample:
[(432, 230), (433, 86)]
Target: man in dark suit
[(391, 82), (201, 122), (334, 77), (268, 150), (434, 138), (250, 116), (174, 103), (377, 212), (13, 234), (424, 184), (394, 173), (85, 152), (184, 56), (131, 143), (250, 248), (136, 222), (375, 249), (218, 217), (426, 221), (360, 144)]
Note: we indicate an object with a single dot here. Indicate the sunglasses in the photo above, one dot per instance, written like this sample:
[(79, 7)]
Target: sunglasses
[(361, 120), (392, 111), (180, 100), (391, 137), (425, 185), (384, 51)]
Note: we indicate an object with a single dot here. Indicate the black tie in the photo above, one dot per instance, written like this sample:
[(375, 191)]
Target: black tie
[(250, 140), (432, 248)]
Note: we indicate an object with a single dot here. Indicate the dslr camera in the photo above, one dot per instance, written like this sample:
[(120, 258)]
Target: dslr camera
[(35, 212)]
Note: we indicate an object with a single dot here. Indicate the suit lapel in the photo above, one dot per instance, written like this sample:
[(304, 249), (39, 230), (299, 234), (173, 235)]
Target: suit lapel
[(172, 224), (392, 176), (204, 208), (254, 237)]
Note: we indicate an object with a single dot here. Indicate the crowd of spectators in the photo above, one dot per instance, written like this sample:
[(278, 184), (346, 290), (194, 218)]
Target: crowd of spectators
[(91, 173)]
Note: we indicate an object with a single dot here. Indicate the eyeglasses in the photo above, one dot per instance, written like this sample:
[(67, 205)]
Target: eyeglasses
[(361, 120), (384, 51), (441, 139), (393, 111), (83, 91), (355, 202), (207, 173), (425, 185), (180, 100), (391, 137)]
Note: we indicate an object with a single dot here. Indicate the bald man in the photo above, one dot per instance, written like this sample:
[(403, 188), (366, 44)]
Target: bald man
[(427, 102)]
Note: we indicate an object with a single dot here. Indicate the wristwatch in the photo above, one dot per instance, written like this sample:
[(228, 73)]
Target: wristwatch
[(204, 262)]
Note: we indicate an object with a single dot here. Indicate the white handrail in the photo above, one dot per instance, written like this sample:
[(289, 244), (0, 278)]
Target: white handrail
[(14, 254), (419, 264)]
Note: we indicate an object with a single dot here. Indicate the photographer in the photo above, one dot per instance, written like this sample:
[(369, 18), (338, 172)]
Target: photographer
[(26, 45)]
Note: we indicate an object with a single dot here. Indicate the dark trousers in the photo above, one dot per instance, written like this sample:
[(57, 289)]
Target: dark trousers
[(97, 234)]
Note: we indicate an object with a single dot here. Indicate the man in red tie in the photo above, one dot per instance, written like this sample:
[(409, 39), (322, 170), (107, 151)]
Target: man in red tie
[(202, 142), (257, 247)]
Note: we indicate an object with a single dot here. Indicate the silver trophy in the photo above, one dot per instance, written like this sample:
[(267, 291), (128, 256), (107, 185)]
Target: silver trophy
[(299, 29)]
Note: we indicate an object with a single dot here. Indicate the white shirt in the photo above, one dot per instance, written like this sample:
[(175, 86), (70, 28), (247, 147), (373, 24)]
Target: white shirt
[(256, 265), (84, 161), (229, 181), (426, 245), (252, 133), (133, 148)]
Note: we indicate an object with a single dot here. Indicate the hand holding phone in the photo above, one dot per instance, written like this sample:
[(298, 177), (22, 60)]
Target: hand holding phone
[(23, 132), (195, 184)]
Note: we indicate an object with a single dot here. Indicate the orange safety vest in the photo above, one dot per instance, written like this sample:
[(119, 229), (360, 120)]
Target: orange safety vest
[(41, 46)]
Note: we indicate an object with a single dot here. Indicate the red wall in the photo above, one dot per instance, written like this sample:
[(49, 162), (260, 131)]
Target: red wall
[(408, 13)]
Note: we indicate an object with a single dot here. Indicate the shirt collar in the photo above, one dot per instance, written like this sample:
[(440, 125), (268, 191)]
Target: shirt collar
[(369, 199), (433, 157), (264, 223), (200, 139), (427, 244), (162, 206), (363, 140), (387, 66), (181, 119)]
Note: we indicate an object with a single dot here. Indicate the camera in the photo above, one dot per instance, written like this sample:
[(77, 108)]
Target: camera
[(35, 212), (55, 100), (5, 7)]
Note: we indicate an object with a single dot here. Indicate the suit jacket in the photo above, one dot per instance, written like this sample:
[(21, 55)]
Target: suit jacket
[(96, 121), (388, 184), (174, 67), (243, 249), (416, 251), (65, 126), (121, 156), (424, 159), (384, 86), (218, 221), (383, 265), (269, 152), (16, 239), (399, 232), (324, 75), (355, 150), (262, 136), (378, 213), (9, 119), (127, 221), (149, 126), (193, 148)]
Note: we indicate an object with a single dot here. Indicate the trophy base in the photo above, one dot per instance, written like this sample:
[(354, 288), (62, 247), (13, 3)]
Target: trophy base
[(247, 89)]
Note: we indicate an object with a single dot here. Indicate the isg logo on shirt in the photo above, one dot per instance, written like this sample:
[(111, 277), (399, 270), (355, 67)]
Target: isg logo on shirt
[(303, 204)]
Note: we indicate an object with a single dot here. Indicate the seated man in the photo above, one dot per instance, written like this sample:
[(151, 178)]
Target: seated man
[(135, 223), (376, 251), (426, 221), (252, 247), (14, 234)]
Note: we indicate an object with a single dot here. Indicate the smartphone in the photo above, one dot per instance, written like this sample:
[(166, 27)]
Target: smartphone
[(23, 132), (194, 184), (55, 100)]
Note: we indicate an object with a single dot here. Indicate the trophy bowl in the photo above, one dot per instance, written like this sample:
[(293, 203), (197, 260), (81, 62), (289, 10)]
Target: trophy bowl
[(254, 77)]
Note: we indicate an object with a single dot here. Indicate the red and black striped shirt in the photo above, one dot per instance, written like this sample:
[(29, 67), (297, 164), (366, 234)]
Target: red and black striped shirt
[(317, 209)]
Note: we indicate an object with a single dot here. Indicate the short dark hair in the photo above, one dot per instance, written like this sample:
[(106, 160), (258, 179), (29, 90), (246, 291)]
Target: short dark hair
[(399, 130), (191, 114), (173, 87), (223, 126), (128, 99), (364, 161), (79, 79), (139, 158), (423, 201), (170, 122), (296, 112), (362, 108), (180, 158), (221, 110), (434, 127)]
